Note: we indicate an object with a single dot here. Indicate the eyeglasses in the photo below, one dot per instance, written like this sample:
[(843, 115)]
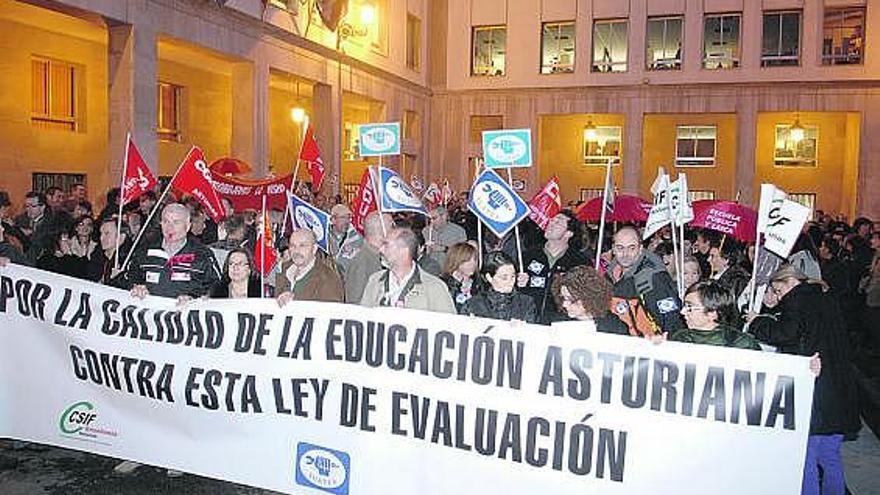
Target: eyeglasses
[(690, 308)]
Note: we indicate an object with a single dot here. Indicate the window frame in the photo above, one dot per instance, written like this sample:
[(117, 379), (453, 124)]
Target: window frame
[(700, 195), (49, 119), (668, 64), (831, 59), (566, 68), (602, 160), (167, 133), (596, 65), (734, 61), (696, 161), (413, 46), (474, 31), (796, 161), (769, 60)]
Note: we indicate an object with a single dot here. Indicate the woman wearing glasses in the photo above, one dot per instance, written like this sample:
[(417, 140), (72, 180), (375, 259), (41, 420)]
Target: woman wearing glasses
[(709, 310), (238, 281)]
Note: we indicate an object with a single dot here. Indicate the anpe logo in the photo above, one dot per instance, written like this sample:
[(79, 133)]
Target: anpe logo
[(322, 468), (76, 417), (507, 148), (400, 193), (379, 139), (495, 202), (307, 218), (82, 421)]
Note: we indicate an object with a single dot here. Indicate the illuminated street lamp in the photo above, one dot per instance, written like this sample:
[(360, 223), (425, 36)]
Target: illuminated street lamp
[(796, 133), (590, 132), (298, 114)]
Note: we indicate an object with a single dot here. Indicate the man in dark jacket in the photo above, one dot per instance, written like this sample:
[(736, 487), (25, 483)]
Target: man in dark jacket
[(178, 266), (540, 266), (644, 295), (806, 321)]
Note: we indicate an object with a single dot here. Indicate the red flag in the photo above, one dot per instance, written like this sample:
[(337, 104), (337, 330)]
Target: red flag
[(265, 246), (194, 178), (312, 156), (546, 204), (364, 202), (137, 179), (432, 193)]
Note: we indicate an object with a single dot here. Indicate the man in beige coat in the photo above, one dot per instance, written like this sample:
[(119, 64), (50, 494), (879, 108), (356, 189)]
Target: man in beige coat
[(404, 285), (304, 277)]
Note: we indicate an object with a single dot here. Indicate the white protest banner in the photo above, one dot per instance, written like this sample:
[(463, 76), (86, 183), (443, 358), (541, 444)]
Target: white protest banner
[(659, 216), (319, 398)]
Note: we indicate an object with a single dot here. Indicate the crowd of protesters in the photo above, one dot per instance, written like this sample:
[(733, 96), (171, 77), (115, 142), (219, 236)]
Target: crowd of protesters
[(823, 300)]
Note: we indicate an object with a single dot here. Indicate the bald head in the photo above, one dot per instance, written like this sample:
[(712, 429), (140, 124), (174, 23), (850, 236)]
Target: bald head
[(302, 247), (627, 246)]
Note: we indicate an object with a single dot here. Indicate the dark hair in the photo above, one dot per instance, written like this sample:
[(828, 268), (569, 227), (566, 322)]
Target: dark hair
[(52, 190), (114, 220), (86, 205), (493, 261), (832, 245), (586, 287), (38, 195), (664, 249), (730, 250), (574, 226), (250, 260), (715, 297), (234, 222), (860, 222), (75, 185)]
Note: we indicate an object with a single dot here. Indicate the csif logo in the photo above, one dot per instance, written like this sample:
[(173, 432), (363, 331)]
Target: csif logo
[(322, 468), (81, 421), (76, 417)]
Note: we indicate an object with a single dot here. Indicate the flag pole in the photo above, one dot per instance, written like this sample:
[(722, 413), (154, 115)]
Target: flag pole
[(119, 200), (479, 222), (672, 228), (377, 186), (519, 255), (263, 251), (602, 214)]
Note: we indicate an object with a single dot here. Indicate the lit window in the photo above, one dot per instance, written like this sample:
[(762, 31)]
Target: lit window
[(480, 123), (790, 151), (805, 199), (781, 39), (609, 46), (413, 42), (843, 36), (350, 137), (557, 47), (488, 50), (602, 143), (721, 41), (53, 94), (699, 195), (590, 193), (168, 113), (664, 43), (695, 146)]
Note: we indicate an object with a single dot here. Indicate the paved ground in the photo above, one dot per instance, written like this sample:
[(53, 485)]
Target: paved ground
[(42, 470)]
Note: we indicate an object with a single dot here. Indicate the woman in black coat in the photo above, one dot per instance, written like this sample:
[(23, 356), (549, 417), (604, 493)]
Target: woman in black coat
[(806, 322), (238, 280), (500, 300)]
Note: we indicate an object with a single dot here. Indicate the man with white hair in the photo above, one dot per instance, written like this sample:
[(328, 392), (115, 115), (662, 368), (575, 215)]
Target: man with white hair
[(367, 261), (178, 266), (344, 241)]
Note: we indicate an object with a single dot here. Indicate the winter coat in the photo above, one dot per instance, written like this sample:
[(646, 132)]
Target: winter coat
[(499, 306), (722, 336), (808, 321)]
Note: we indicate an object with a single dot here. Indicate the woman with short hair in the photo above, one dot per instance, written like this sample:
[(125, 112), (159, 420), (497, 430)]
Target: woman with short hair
[(585, 295), (458, 273)]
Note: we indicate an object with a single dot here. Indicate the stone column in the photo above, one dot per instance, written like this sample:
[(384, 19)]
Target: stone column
[(747, 141), (632, 146), (132, 93), (327, 105), (246, 113)]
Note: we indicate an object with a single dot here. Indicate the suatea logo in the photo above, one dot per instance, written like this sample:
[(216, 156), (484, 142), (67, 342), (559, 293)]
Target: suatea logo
[(322, 468), (81, 419), (507, 148)]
